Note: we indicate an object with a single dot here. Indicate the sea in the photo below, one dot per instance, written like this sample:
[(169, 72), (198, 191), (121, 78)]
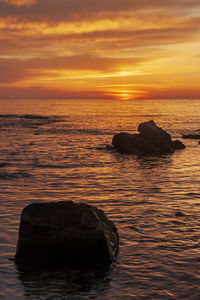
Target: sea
[(53, 150)]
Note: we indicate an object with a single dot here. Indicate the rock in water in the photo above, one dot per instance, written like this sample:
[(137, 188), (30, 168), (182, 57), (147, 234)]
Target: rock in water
[(59, 234), (133, 143), (156, 136), (178, 145), (191, 136), (150, 140)]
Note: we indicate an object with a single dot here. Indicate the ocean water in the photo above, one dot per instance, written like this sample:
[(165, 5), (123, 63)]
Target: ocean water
[(52, 150)]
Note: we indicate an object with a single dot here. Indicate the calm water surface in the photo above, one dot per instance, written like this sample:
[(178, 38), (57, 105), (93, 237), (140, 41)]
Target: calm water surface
[(55, 150)]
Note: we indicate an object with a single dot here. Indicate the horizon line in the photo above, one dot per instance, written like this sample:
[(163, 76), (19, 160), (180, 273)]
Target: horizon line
[(93, 99)]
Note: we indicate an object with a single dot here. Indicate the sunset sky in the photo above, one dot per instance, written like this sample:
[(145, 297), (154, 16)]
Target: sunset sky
[(120, 49)]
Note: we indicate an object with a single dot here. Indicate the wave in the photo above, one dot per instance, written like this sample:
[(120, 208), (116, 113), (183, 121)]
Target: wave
[(13, 175), (3, 164), (27, 120), (41, 122), (76, 131)]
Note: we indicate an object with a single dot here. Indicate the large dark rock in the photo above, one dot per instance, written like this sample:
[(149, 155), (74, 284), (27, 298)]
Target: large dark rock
[(133, 143), (150, 140), (156, 136), (59, 234)]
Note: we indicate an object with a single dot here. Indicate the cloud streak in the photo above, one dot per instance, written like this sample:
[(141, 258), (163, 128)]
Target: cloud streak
[(78, 9), (96, 44)]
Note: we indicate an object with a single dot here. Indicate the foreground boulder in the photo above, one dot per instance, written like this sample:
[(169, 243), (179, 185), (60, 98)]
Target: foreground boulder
[(150, 140), (59, 234)]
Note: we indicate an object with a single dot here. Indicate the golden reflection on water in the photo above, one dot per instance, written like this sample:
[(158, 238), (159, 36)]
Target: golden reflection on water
[(65, 158)]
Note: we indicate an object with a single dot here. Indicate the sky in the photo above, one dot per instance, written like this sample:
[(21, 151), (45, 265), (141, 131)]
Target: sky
[(96, 49)]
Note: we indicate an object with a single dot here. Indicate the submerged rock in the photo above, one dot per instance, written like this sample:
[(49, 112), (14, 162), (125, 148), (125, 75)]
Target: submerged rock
[(59, 234), (150, 140), (179, 214), (191, 136)]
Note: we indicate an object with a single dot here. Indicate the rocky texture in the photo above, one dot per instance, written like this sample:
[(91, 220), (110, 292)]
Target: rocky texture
[(59, 234), (156, 136), (150, 140), (133, 143)]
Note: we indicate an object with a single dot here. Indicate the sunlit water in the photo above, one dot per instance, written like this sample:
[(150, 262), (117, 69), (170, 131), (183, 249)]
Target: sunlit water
[(55, 150)]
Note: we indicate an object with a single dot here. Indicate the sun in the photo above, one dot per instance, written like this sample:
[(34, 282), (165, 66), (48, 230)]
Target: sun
[(125, 95)]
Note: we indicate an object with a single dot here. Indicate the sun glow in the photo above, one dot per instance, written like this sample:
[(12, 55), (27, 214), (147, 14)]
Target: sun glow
[(125, 96), (122, 51)]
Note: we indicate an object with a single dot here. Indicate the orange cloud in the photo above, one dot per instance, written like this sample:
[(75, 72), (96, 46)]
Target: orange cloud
[(20, 2), (99, 48)]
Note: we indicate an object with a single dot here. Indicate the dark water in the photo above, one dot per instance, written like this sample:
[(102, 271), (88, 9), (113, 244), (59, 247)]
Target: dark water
[(55, 150)]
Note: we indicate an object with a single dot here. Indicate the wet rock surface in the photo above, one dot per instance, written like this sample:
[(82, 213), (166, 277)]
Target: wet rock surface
[(150, 140), (60, 234)]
